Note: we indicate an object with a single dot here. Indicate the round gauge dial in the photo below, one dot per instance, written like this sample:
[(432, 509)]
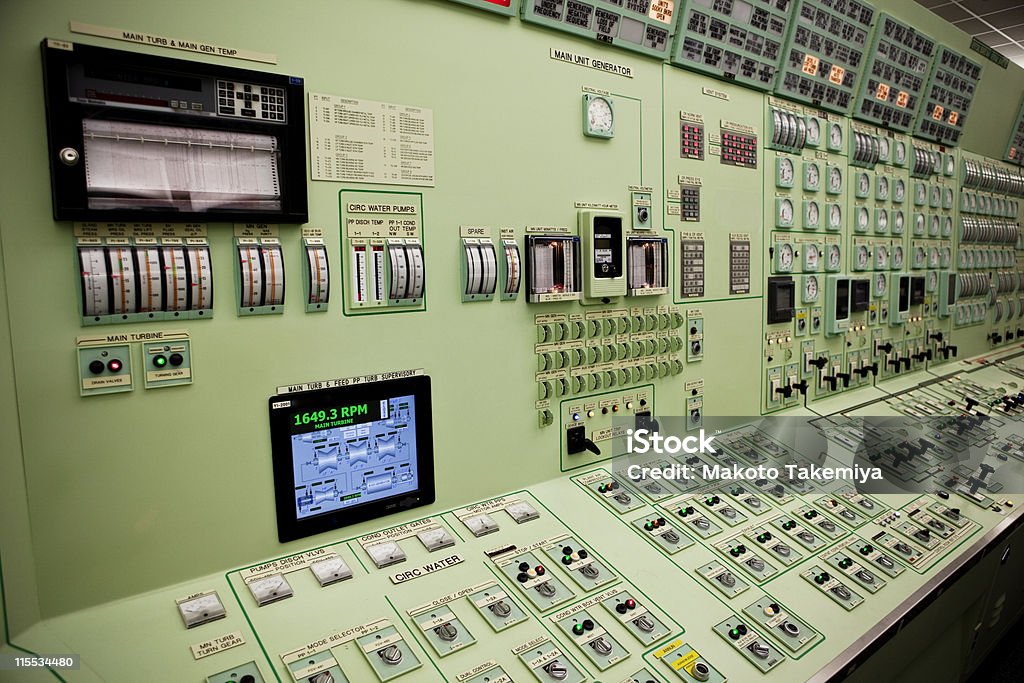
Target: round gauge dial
[(883, 187), (835, 179), (882, 222), (883, 148), (835, 216), (899, 190), (897, 256), (920, 255), (813, 131), (785, 171), (947, 197), (933, 226), (786, 256), (920, 193), (863, 256), (933, 280), (900, 152), (947, 226), (863, 184), (897, 222), (600, 116), (863, 218), (833, 256), (811, 175), (204, 603), (813, 213), (946, 256), (881, 284), (936, 195), (785, 212), (810, 288), (882, 257), (933, 257), (949, 164), (811, 257), (919, 224), (835, 135)]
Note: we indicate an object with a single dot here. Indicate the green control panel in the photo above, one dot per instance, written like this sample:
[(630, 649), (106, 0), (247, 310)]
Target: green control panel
[(581, 220)]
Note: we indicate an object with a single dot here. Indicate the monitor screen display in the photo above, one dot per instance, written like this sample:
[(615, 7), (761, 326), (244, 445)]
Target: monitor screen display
[(346, 454)]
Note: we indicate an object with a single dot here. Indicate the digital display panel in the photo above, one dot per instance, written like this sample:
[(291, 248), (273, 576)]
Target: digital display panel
[(346, 454)]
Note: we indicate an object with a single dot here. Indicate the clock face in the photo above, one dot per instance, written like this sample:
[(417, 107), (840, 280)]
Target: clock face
[(900, 152), (897, 222), (835, 179), (600, 116), (813, 214), (786, 256), (785, 172), (811, 257), (883, 148), (881, 257), (811, 175), (833, 256), (813, 131), (899, 190), (835, 136), (863, 256), (835, 216), (863, 218), (920, 255), (785, 216), (811, 288)]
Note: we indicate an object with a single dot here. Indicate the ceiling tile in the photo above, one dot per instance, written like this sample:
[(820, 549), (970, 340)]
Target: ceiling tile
[(933, 3), (982, 7), (1014, 52), (973, 27), (1014, 33), (951, 13)]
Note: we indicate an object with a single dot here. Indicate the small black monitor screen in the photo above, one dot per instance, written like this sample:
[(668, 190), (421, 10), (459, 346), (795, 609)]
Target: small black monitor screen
[(842, 299), (346, 454)]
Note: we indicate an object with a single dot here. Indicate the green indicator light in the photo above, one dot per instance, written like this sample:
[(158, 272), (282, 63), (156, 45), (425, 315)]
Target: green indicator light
[(159, 361)]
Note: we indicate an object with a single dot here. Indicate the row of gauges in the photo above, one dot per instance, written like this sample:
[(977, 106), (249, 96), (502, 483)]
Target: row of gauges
[(1009, 281), (261, 276), (983, 259), (480, 269), (879, 286), (814, 257), (140, 283), (971, 202), (982, 176), (971, 313), (988, 231), (928, 162), (785, 175), (400, 280), (868, 150), (972, 284), (1010, 310), (791, 131), (884, 256), (785, 215), (862, 188)]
